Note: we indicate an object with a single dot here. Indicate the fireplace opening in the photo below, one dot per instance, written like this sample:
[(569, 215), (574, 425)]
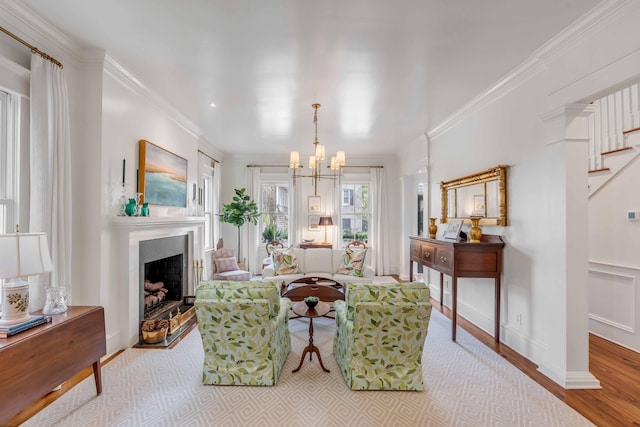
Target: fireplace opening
[(162, 285), (164, 292)]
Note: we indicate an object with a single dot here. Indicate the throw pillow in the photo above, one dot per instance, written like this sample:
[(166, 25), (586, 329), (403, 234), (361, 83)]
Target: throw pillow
[(353, 262), (285, 262), (226, 264)]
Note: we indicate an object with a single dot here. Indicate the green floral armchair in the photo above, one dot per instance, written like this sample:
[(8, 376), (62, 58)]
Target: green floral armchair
[(245, 331), (380, 334)]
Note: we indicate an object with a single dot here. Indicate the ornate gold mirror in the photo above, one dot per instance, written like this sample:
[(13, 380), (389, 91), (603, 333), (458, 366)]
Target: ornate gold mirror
[(482, 194)]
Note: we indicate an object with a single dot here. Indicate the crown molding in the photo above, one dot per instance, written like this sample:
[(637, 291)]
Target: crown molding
[(33, 28), (530, 67), (129, 80), (502, 87)]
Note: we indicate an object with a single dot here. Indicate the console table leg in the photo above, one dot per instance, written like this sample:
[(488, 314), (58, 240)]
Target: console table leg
[(454, 304), (497, 313), (97, 375)]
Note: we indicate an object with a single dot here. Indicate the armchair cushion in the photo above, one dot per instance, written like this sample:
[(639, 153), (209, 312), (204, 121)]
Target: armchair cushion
[(379, 340), (226, 264)]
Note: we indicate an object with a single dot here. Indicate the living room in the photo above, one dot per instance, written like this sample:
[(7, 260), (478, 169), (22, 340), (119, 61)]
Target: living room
[(532, 116)]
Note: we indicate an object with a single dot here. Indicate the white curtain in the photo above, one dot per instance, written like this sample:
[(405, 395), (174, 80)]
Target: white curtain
[(335, 235), (379, 235), (253, 190), (217, 174), (50, 170), (296, 218)]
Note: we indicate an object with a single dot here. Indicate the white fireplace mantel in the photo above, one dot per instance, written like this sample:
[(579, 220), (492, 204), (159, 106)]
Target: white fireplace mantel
[(131, 231), (136, 222)]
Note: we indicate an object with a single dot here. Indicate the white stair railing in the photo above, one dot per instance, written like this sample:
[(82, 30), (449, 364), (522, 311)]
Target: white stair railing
[(617, 114)]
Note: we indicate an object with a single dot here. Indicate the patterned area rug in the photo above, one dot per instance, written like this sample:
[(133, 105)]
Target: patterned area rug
[(466, 384)]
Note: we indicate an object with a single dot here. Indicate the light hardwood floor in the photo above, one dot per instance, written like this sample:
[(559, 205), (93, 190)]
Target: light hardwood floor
[(617, 404)]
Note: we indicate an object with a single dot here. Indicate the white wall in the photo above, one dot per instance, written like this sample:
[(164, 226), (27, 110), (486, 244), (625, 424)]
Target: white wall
[(525, 122), (614, 267)]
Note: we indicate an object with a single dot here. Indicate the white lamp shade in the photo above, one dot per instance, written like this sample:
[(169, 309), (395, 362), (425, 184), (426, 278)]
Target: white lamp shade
[(340, 158), (312, 162), (24, 255), (294, 159)]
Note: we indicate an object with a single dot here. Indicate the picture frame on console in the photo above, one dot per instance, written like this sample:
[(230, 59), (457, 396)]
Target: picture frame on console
[(162, 176), (453, 230), (314, 222), (314, 203)]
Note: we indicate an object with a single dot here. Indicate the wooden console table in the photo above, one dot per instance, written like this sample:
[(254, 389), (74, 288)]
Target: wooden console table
[(313, 245), (460, 259), (36, 361)]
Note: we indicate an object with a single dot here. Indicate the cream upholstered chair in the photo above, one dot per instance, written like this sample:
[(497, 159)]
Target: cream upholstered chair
[(222, 264), (245, 331), (380, 334)]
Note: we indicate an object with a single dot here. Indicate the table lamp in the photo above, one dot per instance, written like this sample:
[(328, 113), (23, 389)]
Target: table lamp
[(21, 255), (325, 221)]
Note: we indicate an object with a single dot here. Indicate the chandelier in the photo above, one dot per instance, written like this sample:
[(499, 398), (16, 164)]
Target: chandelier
[(315, 160)]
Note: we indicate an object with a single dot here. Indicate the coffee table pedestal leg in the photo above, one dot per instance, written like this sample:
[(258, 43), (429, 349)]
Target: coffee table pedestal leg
[(310, 349)]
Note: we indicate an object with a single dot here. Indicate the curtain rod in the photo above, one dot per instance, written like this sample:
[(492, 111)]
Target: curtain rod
[(33, 48), (205, 154), (286, 166)]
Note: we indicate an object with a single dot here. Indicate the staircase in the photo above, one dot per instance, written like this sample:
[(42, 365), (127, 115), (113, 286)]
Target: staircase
[(615, 131)]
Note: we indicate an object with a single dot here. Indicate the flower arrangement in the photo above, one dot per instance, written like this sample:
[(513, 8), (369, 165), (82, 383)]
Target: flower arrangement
[(311, 301)]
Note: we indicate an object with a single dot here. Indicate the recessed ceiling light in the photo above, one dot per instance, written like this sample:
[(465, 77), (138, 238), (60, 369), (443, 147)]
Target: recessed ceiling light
[(212, 105)]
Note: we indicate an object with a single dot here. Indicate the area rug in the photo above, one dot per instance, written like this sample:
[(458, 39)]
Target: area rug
[(466, 384)]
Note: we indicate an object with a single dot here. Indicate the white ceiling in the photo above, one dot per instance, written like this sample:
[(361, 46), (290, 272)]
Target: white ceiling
[(385, 71)]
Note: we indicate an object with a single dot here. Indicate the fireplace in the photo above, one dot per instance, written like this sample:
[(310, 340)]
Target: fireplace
[(163, 277), (128, 270)]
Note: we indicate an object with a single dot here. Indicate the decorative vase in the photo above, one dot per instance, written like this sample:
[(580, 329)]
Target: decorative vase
[(311, 302), (145, 209), (433, 228), (475, 232), (56, 299), (130, 209)]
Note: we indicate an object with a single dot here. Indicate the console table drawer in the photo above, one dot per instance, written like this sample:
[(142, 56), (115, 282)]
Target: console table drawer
[(428, 254), (415, 251), (444, 259)]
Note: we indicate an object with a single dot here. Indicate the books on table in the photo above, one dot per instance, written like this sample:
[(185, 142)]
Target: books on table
[(10, 330)]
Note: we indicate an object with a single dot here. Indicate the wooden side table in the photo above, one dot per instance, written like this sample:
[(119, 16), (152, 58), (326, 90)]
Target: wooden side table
[(301, 309), (36, 361)]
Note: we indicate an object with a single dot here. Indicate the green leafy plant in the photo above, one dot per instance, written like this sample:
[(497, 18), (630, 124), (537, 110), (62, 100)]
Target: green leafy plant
[(240, 211)]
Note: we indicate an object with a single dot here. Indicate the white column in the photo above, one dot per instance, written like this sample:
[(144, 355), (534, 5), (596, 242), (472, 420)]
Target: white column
[(566, 316)]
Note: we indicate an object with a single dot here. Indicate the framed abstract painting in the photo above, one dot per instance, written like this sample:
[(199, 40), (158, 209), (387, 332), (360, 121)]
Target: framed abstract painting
[(162, 176)]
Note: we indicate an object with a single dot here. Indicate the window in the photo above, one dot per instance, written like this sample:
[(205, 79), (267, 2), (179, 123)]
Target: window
[(274, 209), (206, 166), (9, 171), (347, 197), (355, 212)]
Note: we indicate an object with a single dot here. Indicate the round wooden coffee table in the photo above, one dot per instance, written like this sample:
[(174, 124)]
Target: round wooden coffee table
[(301, 309)]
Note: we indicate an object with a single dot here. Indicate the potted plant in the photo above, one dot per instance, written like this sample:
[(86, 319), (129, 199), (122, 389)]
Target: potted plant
[(240, 211)]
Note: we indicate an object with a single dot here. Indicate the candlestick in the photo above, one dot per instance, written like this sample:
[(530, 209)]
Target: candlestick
[(137, 180), (123, 169)]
